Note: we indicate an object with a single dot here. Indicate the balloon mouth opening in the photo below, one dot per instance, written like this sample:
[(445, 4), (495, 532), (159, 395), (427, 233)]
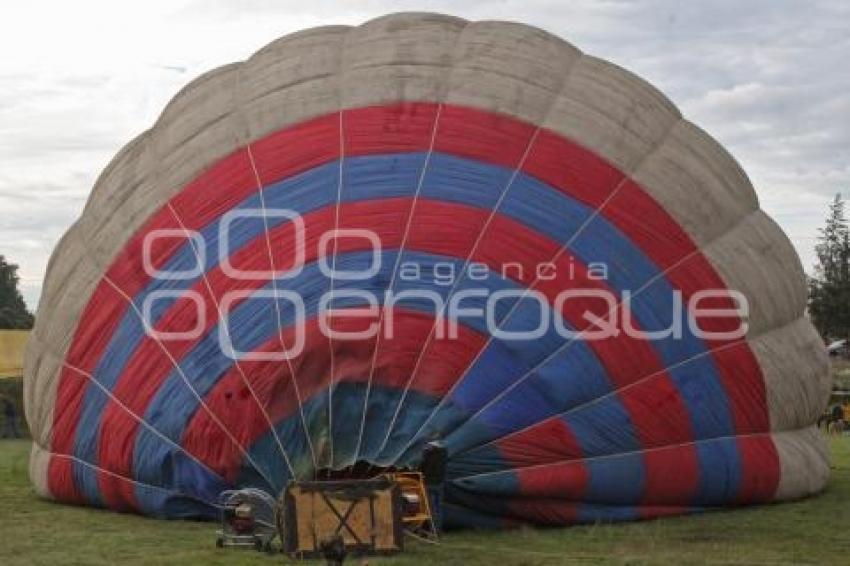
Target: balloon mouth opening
[(360, 470)]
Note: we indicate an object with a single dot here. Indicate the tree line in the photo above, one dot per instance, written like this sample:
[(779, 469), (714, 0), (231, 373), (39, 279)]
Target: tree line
[(13, 310), (829, 285)]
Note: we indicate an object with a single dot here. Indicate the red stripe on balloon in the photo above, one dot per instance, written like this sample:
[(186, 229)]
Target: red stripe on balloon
[(564, 481), (60, 477), (657, 412), (671, 474), (760, 468), (549, 441), (544, 512)]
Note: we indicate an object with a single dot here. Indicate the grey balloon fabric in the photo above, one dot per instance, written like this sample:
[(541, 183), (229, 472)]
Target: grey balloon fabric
[(457, 143)]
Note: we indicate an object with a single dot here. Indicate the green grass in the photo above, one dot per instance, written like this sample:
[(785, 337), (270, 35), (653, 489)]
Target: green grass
[(815, 531)]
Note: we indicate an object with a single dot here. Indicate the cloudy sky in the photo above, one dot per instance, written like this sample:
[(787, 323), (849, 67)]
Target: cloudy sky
[(78, 79)]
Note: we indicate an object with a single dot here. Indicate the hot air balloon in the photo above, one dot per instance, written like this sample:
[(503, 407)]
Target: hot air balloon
[(365, 239)]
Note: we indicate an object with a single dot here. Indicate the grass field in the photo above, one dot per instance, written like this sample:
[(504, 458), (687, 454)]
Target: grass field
[(815, 531)]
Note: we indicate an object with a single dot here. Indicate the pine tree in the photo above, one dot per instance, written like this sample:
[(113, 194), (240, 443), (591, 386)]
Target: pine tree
[(829, 289), (13, 310)]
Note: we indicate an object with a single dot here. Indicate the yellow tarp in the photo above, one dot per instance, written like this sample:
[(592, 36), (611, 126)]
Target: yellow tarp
[(12, 344)]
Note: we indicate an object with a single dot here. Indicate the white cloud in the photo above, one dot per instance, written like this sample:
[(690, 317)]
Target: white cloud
[(80, 79)]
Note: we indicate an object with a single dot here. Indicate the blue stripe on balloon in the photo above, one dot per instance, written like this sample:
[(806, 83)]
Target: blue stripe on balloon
[(589, 513), (617, 480), (85, 478), (197, 502), (569, 379), (603, 427), (720, 472)]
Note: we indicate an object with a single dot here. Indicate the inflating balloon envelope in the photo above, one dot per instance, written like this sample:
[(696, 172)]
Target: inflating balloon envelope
[(473, 153)]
